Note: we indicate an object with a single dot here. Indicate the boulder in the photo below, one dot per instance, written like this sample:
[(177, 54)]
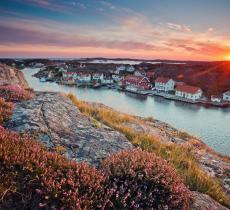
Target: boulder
[(56, 122), (12, 76), (205, 202)]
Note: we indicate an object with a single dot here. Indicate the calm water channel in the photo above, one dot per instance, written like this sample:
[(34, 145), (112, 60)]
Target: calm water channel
[(212, 125)]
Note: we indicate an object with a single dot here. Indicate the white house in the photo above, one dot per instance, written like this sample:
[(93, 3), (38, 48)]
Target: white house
[(189, 92), (69, 75), (62, 70), (98, 76), (215, 99), (130, 69), (107, 81), (38, 65), (116, 78), (164, 84), (84, 77), (226, 96), (82, 65), (140, 73), (120, 68)]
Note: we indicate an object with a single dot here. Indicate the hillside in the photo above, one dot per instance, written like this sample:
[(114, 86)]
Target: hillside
[(40, 172), (212, 77)]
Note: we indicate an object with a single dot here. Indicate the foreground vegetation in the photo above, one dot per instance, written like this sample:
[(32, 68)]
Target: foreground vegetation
[(180, 157), (33, 178)]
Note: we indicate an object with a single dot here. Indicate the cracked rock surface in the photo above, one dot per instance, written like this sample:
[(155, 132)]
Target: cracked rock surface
[(57, 122)]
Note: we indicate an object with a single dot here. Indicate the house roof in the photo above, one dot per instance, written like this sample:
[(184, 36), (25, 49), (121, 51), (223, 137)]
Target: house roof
[(162, 80), (135, 78), (150, 73), (227, 93), (188, 89), (215, 96)]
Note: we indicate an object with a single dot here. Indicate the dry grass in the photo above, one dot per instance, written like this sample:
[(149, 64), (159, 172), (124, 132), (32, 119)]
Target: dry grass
[(179, 156)]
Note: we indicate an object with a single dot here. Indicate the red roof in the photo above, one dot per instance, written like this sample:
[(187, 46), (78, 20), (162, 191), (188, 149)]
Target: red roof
[(150, 73), (134, 78), (70, 73), (162, 80), (188, 89)]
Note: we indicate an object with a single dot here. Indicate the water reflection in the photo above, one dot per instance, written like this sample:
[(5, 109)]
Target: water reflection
[(136, 96), (184, 105)]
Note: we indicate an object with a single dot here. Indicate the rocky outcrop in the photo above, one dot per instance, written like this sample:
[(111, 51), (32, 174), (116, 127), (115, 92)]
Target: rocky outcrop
[(59, 124), (12, 76), (204, 202), (211, 162)]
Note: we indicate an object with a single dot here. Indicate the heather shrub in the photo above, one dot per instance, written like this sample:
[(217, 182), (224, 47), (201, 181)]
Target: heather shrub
[(5, 110), (14, 93), (181, 157), (142, 180), (33, 178)]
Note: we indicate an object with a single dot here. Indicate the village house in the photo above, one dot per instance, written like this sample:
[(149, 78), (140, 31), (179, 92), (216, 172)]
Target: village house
[(82, 65), (137, 82), (216, 99), (164, 84), (107, 80), (120, 68), (69, 75), (84, 77), (189, 92), (98, 76), (62, 70), (130, 69), (226, 96), (150, 75), (38, 65), (139, 73), (116, 78)]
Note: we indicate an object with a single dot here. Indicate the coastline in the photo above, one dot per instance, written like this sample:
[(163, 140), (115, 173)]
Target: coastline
[(201, 102)]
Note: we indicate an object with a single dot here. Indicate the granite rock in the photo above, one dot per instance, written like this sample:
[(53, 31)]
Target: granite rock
[(55, 121)]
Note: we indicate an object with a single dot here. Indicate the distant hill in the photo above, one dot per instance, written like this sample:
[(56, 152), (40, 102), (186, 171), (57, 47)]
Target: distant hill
[(212, 77)]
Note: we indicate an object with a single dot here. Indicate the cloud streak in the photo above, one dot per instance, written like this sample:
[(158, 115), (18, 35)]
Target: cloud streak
[(178, 27), (25, 36), (131, 33)]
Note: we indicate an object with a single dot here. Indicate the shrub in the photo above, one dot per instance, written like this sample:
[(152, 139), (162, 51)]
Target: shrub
[(14, 93), (141, 180), (5, 110), (31, 178), (180, 157), (184, 135)]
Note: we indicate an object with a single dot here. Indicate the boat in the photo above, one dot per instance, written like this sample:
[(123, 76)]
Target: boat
[(131, 89), (97, 85)]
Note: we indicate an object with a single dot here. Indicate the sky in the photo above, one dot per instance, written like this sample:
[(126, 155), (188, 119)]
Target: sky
[(142, 29)]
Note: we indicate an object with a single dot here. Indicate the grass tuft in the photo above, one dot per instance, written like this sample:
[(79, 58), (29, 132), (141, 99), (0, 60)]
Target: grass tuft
[(180, 157)]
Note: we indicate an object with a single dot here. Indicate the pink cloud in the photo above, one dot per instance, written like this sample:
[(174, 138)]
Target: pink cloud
[(178, 27)]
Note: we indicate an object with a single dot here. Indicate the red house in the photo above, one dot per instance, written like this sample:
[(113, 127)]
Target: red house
[(150, 75), (138, 82)]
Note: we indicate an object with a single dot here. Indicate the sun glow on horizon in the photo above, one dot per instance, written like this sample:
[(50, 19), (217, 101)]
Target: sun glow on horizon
[(227, 57)]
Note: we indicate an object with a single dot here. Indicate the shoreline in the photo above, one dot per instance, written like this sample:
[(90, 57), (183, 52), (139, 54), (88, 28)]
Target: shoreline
[(149, 103), (200, 102)]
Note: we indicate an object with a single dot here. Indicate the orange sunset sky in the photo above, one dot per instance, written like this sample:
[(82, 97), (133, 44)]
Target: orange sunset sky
[(148, 29)]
